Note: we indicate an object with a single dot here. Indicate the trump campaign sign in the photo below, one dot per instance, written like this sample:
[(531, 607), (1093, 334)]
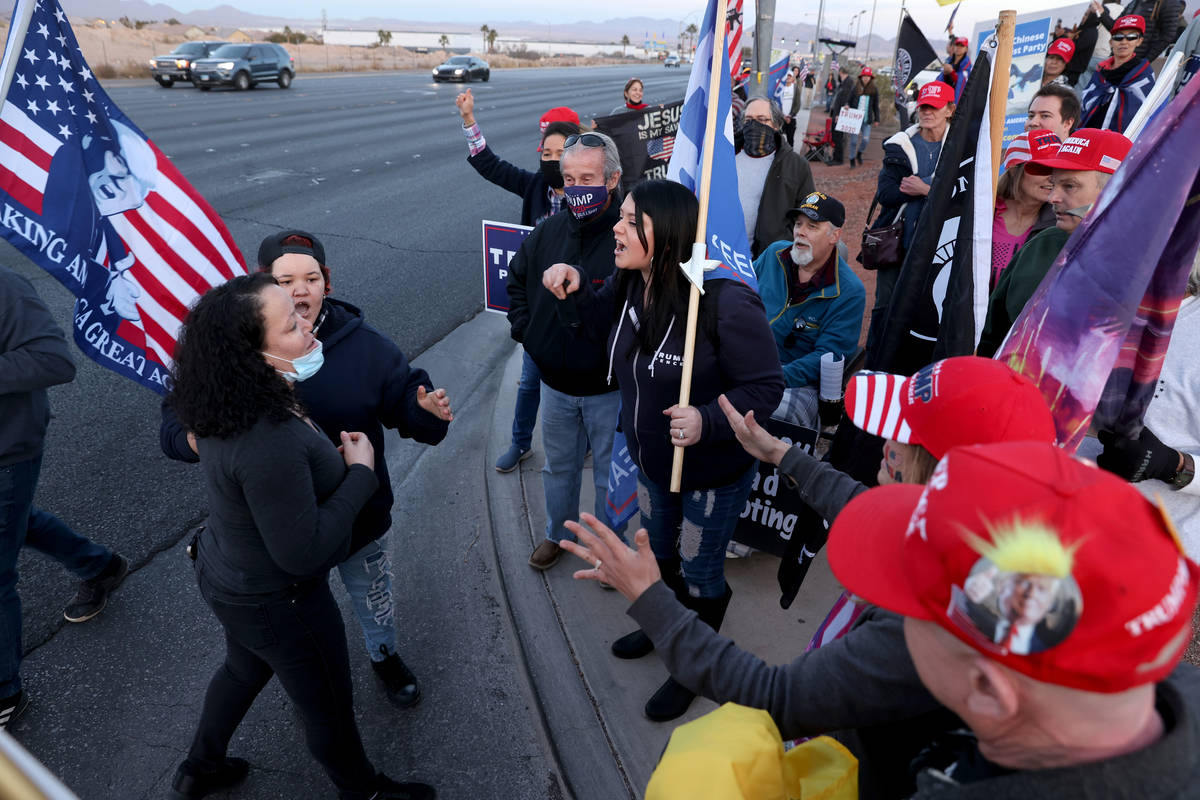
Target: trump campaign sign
[(501, 240)]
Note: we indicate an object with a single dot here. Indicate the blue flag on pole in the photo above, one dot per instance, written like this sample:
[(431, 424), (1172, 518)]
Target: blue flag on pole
[(726, 231), (775, 77)]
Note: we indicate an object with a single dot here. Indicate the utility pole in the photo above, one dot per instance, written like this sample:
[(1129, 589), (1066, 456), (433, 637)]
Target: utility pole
[(764, 29), (870, 30)]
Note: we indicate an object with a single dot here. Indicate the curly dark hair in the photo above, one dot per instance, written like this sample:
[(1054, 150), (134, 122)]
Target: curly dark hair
[(222, 384)]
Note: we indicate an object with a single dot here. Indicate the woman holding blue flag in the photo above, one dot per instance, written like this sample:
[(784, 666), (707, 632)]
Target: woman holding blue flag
[(642, 310)]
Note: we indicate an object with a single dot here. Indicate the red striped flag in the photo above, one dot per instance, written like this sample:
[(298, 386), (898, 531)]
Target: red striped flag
[(91, 200), (733, 39)]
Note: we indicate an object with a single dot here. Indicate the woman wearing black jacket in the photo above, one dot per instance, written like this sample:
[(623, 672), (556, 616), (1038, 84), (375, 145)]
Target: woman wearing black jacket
[(541, 196), (365, 384), (282, 504), (642, 310)]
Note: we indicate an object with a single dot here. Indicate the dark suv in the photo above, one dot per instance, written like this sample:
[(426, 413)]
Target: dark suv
[(177, 65), (243, 66)]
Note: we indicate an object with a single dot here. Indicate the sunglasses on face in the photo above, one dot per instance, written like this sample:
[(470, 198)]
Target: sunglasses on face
[(586, 139), (1125, 37)]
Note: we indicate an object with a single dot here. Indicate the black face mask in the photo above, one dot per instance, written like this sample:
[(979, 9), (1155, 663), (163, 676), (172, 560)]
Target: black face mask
[(552, 174), (758, 139)]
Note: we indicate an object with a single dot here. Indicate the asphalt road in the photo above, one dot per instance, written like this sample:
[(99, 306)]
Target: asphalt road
[(374, 164)]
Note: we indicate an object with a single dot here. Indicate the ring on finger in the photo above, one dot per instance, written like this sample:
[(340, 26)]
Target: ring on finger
[(597, 567)]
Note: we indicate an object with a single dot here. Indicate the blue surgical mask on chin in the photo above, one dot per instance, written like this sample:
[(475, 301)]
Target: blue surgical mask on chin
[(586, 202), (303, 367)]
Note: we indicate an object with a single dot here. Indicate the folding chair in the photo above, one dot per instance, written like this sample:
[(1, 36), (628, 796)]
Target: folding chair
[(819, 144)]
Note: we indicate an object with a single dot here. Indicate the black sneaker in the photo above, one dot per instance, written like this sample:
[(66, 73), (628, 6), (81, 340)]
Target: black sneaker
[(191, 783), (11, 708), (388, 789), (93, 594), (401, 684)]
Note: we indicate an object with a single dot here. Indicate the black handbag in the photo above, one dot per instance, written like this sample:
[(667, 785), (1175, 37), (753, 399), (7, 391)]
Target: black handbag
[(883, 248)]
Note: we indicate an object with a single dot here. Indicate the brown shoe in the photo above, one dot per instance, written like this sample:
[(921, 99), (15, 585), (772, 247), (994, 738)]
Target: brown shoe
[(546, 555)]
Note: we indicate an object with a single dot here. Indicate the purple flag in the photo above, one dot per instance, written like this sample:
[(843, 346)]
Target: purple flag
[(1093, 335)]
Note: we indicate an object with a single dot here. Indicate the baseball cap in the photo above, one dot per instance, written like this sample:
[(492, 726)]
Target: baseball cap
[(272, 247), (936, 94), (1063, 48), (866, 73), (1088, 149), (957, 401), (820, 207), (1130, 21), (557, 114), (1030, 144), (962, 40), (1043, 563)]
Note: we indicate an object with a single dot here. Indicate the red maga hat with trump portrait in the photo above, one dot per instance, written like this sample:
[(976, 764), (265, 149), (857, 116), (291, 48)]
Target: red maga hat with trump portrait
[(1044, 563)]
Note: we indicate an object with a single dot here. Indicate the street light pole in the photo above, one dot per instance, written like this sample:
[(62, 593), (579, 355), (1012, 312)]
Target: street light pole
[(871, 30)]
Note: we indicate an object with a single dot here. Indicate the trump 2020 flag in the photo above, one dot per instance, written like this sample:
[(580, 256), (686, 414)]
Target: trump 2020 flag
[(775, 78), (93, 202), (1094, 334), (726, 231)]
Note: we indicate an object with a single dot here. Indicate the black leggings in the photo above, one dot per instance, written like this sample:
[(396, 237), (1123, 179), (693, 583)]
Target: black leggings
[(299, 637)]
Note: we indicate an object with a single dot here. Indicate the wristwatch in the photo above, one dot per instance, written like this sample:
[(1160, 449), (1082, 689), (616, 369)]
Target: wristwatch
[(1185, 474)]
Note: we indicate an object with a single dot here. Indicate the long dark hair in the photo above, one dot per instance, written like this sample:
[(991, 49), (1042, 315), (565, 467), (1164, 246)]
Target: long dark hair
[(673, 211), (222, 384)]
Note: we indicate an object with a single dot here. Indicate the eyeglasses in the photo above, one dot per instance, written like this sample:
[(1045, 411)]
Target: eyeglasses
[(1125, 37), (586, 139)]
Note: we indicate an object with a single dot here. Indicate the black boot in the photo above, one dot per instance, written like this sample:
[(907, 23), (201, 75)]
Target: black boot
[(192, 782), (672, 699), (637, 644), (398, 679)]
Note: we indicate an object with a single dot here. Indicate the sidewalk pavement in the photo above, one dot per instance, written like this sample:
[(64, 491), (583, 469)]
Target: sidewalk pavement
[(591, 701)]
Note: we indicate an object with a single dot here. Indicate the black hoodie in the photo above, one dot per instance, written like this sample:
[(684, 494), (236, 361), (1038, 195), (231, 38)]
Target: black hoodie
[(365, 384), (570, 361), (735, 354)]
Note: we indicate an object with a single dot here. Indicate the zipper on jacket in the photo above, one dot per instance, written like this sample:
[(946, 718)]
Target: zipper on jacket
[(637, 404)]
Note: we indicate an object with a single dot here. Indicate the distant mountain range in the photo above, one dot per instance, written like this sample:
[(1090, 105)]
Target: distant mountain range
[(636, 28)]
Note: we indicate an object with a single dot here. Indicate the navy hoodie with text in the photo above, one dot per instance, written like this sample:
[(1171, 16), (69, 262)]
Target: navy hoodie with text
[(366, 384), (735, 355)]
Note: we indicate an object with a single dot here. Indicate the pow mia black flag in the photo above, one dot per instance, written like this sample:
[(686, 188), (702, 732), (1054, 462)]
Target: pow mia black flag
[(913, 54)]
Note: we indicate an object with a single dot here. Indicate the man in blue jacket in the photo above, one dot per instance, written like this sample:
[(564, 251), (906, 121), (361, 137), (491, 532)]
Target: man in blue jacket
[(814, 302)]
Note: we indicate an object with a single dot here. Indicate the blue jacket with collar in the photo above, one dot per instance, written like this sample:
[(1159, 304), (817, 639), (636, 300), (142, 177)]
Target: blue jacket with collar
[(827, 321)]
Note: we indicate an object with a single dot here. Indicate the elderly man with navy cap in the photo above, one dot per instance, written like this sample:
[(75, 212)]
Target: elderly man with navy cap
[(814, 302)]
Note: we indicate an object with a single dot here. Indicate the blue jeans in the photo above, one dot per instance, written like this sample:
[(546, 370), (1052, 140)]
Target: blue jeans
[(569, 423), (695, 527), (529, 395), (859, 141), (22, 524), (367, 576)]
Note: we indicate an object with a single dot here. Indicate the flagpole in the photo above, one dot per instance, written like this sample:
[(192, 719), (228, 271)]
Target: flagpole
[(12, 50), (1005, 30), (710, 136)]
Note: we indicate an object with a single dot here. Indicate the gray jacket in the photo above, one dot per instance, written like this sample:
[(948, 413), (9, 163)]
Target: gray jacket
[(33, 356)]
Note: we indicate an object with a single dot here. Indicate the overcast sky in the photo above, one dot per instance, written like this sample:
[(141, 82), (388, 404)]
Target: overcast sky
[(928, 14)]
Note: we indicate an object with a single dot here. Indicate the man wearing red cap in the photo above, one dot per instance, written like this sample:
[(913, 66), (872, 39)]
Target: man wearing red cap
[(1058, 54), (1010, 543), (1121, 83), (1080, 168)]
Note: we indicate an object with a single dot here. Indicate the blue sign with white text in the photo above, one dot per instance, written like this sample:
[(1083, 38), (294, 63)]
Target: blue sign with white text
[(501, 240)]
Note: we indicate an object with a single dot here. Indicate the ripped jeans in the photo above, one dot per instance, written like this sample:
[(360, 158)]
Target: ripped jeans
[(694, 526), (367, 576)]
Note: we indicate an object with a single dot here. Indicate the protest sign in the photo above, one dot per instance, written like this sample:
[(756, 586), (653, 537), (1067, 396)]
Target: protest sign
[(501, 240), (773, 509), (645, 139), (1033, 34), (850, 121)]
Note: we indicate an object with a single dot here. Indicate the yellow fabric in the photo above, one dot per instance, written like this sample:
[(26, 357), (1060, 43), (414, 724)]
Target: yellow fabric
[(736, 752)]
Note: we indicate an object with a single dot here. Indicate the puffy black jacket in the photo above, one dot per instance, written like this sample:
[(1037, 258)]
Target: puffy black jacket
[(531, 186), (570, 361)]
